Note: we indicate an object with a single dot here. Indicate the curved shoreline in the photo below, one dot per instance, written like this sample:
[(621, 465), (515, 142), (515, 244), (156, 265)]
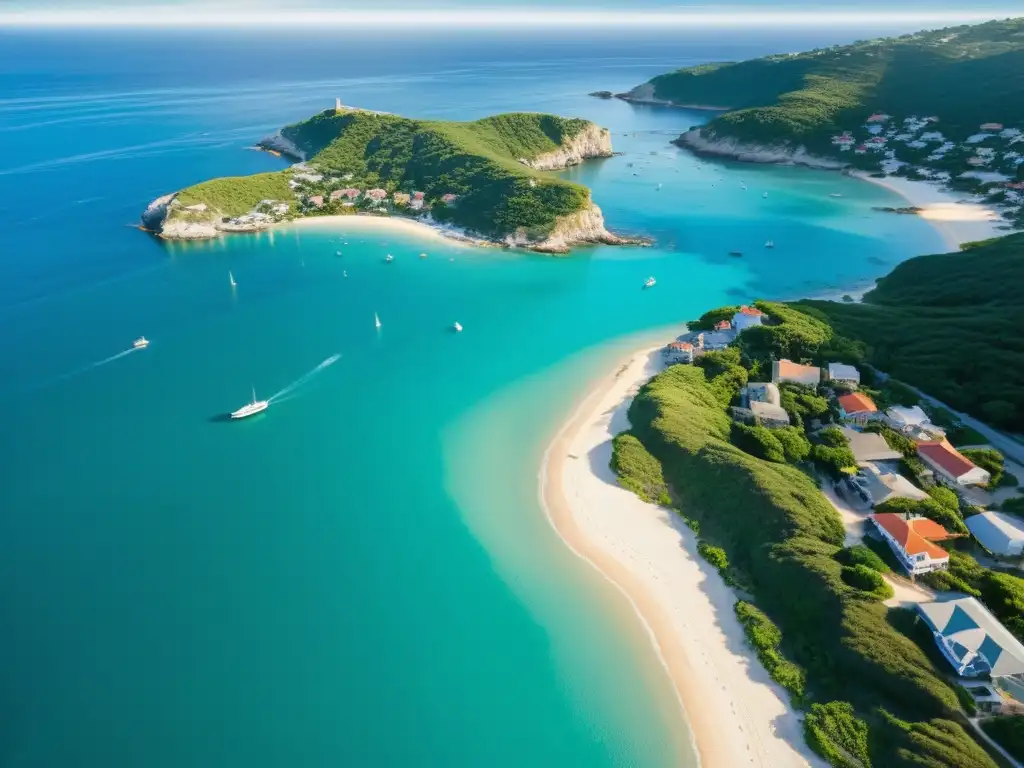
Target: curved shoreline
[(736, 714), (394, 223)]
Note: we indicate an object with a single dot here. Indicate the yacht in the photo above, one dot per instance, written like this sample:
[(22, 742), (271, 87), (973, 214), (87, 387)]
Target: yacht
[(389, 258), (423, 255), (457, 327), (140, 343), (650, 282), (256, 406), (769, 244), (376, 320), (231, 279)]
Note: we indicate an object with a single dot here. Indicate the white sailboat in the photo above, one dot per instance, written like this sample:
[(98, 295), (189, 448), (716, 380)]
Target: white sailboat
[(376, 320), (389, 258), (251, 409), (457, 327), (231, 279), (650, 282)]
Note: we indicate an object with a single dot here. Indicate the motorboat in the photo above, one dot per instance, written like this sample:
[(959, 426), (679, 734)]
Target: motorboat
[(835, 194), (765, 195), (251, 409), (457, 327), (231, 279), (769, 244), (389, 258), (650, 282), (140, 343), (423, 255), (735, 253), (376, 320), (337, 253)]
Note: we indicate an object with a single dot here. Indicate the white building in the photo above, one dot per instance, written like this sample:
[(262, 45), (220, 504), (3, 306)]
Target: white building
[(998, 533), (842, 373), (678, 352), (973, 641), (912, 541), (950, 465)]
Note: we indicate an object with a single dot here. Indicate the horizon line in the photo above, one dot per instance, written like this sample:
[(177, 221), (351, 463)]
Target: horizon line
[(192, 17)]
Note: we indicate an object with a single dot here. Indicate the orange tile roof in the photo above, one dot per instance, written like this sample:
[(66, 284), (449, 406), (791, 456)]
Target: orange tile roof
[(913, 535), (857, 402), (724, 325), (753, 311), (680, 345), (946, 456), (789, 368)]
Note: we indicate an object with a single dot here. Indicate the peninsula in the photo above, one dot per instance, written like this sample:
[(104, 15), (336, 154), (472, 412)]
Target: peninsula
[(489, 177), (944, 105)]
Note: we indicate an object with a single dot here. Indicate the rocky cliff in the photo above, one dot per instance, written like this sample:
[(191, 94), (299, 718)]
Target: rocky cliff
[(169, 219), (592, 141), (694, 140), (586, 226)]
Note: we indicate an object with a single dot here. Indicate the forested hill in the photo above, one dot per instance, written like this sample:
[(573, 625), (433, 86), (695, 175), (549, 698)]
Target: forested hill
[(963, 75), (949, 325), (488, 176)]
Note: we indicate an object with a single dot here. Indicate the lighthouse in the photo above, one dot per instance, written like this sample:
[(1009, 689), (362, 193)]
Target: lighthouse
[(337, 104)]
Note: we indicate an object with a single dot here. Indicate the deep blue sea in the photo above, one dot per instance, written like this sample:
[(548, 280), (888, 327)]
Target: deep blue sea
[(363, 574)]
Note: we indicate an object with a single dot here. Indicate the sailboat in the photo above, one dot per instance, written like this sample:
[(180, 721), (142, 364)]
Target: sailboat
[(376, 320), (256, 406), (389, 258), (457, 327), (231, 279)]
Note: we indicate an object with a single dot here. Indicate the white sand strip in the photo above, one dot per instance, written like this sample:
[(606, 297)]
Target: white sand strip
[(371, 223), (956, 219), (738, 716)]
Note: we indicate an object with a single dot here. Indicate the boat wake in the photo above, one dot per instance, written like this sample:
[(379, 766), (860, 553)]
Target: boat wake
[(304, 379)]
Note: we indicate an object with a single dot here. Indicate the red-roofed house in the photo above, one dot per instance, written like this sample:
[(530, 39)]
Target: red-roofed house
[(991, 126), (912, 541), (723, 325), (448, 199), (878, 117), (857, 407), (747, 317), (678, 352), (951, 465), (860, 149), (787, 370), (376, 195), (317, 201)]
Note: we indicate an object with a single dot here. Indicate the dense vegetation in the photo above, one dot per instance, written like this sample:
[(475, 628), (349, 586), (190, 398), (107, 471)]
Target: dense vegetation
[(942, 324), (480, 162), (818, 620), (235, 195), (1008, 731), (805, 97)]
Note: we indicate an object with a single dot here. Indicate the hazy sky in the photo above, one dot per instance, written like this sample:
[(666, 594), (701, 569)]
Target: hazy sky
[(476, 12)]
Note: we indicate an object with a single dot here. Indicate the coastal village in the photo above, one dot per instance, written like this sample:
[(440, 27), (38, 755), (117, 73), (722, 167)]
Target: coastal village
[(900, 461), (987, 163)]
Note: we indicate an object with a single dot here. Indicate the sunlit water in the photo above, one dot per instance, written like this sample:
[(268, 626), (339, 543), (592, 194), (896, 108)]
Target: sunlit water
[(361, 575)]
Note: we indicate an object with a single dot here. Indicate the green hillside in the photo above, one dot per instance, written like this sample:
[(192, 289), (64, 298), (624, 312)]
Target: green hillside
[(480, 162), (963, 75), (948, 325)]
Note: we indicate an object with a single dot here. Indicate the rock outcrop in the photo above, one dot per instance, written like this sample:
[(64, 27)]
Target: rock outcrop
[(169, 219), (592, 141), (753, 153), (279, 143), (585, 226)]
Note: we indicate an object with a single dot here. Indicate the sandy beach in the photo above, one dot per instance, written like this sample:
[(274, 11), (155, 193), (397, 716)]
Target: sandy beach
[(956, 219), (738, 716), (370, 223)]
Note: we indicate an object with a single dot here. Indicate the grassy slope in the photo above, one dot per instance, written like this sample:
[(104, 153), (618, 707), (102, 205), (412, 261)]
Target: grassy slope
[(806, 97), (946, 324), (235, 195), (783, 536)]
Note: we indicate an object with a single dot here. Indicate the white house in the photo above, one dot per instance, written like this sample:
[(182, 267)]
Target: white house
[(747, 317), (845, 374), (678, 352), (973, 641), (951, 465), (998, 533), (912, 541), (787, 370)]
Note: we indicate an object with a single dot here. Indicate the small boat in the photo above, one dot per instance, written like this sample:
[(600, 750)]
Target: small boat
[(650, 282), (735, 253), (344, 273), (659, 186), (423, 255), (140, 343), (256, 406), (231, 279), (743, 187), (769, 244), (457, 327), (765, 195), (389, 258), (835, 194), (376, 320), (337, 253)]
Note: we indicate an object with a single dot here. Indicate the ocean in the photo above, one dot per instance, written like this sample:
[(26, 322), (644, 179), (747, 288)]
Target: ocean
[(363, 575)]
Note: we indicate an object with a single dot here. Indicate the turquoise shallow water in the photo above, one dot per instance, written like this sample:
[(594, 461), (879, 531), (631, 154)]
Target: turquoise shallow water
[(363, 574)]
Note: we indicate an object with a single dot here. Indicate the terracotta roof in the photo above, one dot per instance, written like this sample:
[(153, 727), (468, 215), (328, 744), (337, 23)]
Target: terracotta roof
[(857, 402), (914, 535), (680, 345), (723, 325), (946, 456), (752, 311), (787, 369)]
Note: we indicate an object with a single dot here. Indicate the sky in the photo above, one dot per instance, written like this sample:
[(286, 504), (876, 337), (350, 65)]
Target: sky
[(465, 13)]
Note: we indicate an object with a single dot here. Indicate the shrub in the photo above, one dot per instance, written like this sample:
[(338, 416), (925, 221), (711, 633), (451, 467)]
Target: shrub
[(758, 441), (794, 443), (966, 700), (945, 497), (859, 554), (835, 732), (765, 637), (867, 580), (714, 555), (1008, 730), (638, 471), (991, 461)]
